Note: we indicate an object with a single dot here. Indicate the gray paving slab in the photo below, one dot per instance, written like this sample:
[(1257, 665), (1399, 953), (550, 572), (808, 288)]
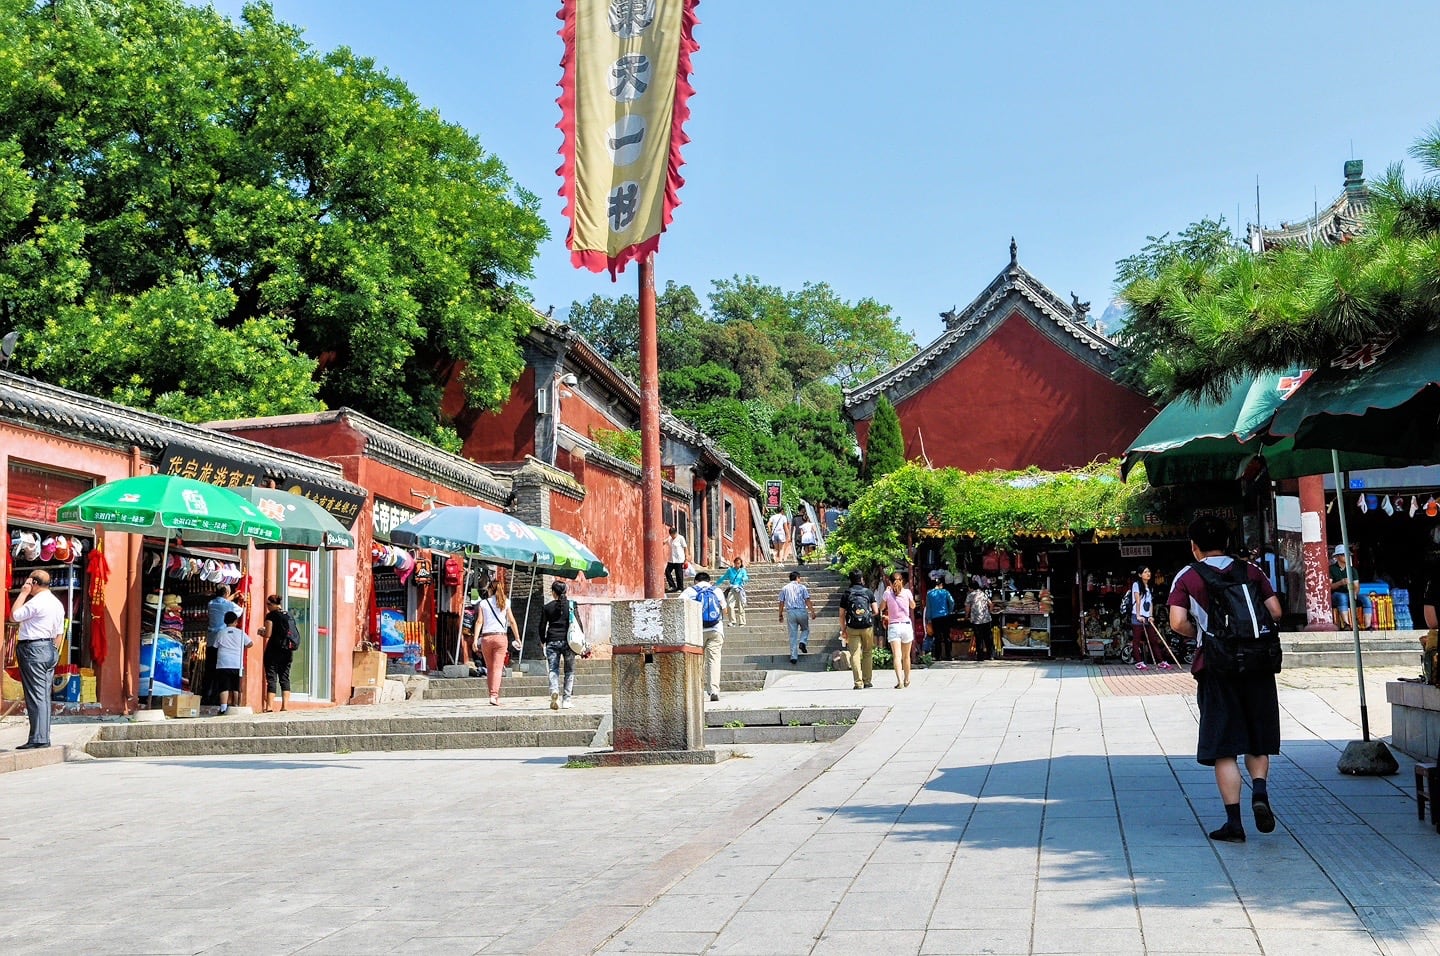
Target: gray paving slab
[(1013, 809)]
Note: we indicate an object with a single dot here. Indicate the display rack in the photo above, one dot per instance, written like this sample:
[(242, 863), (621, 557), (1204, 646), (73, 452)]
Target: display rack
[(1024, 617), (67, 582)]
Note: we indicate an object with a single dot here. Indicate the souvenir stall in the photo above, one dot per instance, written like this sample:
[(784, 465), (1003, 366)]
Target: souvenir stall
[(35, 547), (1028, 617), (1394, 525), (188, 578)]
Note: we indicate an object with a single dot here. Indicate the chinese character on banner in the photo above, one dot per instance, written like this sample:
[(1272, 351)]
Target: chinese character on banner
[(623, 104), (772, 495)]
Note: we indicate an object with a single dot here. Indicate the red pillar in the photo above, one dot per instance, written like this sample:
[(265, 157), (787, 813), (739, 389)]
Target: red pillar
[(1316, 554), (650, 501)]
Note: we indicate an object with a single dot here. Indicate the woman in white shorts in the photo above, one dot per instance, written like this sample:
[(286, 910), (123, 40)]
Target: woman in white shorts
[(899, 625)]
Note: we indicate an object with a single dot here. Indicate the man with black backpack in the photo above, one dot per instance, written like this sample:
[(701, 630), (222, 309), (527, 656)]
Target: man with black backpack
[(857, 619), (1231, 609)]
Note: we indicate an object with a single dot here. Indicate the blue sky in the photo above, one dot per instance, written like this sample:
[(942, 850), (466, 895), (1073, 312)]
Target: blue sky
[(892, 150)]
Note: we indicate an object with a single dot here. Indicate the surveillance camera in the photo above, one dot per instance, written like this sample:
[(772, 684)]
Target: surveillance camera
[(569, 380)]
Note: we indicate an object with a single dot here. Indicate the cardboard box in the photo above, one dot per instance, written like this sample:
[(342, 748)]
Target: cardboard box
[(181, 705), (368, 669)]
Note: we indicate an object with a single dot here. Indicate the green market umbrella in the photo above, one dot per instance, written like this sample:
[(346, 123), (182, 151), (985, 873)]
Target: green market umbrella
[(168, 506), (569, 558), (1372, 397), (1193, 441), (303, 523), (1385, 400)]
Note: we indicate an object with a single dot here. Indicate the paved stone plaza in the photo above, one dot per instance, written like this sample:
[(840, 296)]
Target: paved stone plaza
[(1009, 808)]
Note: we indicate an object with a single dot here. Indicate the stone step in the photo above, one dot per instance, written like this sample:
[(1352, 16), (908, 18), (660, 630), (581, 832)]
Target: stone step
[(1346, 658), (338, 743), (352, 721), (732, 681)]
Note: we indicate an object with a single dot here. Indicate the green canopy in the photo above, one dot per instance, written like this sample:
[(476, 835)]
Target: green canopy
[(1193, 441), (569, 557), (303, 524), (1390, 406), (162, 505)]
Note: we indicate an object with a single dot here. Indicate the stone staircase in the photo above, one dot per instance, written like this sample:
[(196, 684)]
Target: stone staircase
[(344, 733), (1337, 648), (764, 643), (750, 652)]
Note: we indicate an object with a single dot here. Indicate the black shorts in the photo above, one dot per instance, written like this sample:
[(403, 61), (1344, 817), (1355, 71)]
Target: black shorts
[(1239, 714), (227, 679)]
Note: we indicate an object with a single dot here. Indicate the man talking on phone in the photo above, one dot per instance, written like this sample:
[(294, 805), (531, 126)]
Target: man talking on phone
[(42, 619)]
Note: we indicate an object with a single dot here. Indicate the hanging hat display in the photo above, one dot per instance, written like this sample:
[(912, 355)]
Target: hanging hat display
[(1414, 505), (1387, 507), (1432, 508), (47, 549), (1364, 505)]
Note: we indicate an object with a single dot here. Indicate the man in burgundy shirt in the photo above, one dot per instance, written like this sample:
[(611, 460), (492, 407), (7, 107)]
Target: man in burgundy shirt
[(1239, 713)]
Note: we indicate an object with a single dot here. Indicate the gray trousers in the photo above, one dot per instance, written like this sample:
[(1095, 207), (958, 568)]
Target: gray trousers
[(37, 660)]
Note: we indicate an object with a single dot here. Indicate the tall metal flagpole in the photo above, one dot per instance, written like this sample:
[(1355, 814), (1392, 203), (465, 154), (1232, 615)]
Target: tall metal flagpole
[(1365, 757), (651, 524), (1354, 597)]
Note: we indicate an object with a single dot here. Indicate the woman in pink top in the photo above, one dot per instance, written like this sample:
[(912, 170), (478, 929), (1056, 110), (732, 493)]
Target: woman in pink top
[(899, 629)]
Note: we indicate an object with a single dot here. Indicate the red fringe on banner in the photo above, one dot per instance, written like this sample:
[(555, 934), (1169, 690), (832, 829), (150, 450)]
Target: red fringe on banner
[(594, 259)]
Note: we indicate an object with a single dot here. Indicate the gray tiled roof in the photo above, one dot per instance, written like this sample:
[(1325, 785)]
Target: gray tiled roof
[(970, 326), (59, 411), (394, 447)]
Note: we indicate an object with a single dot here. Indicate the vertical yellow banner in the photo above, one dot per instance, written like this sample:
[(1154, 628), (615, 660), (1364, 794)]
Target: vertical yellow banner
[(623, 103)]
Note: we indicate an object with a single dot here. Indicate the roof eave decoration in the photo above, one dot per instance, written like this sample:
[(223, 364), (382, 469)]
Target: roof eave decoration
[(957, 340)]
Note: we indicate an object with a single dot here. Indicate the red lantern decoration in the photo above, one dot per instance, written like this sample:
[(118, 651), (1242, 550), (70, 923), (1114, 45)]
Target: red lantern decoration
[(700, 485)]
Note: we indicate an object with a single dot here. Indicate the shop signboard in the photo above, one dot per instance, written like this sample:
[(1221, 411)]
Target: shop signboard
[(342, 505), (188, 462), (772, 495), (387, 516), (297, 578), (1136, 551)]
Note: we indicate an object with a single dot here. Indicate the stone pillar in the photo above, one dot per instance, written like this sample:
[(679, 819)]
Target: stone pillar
[(1316, 554), (657, 684)]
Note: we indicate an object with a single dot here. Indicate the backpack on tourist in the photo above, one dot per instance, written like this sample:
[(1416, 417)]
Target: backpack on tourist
[(1241, 636), (711, 610), (857, 608), (290, 640)]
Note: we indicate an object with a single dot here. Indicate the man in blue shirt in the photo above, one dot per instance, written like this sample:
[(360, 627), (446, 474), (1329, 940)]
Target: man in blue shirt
[(939, 615), (219, 606)]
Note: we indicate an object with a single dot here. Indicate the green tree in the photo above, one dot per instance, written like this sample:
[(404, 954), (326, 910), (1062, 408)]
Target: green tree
[(1183, 262), (1216, 320), (698, 383), (288, 209), (885, 448)]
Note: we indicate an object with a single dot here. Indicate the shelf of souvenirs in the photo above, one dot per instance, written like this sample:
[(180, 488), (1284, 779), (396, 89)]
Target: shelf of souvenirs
[(63, 577), (1032, 603)]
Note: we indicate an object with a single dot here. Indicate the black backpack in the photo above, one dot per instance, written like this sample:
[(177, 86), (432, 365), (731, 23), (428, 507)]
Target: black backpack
[(857, 609), (1127, 606), (290, 640), (1241, 637)]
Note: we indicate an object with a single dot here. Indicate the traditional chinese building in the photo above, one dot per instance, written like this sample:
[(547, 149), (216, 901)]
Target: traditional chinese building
[(1017, 378), (1336, 223)]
